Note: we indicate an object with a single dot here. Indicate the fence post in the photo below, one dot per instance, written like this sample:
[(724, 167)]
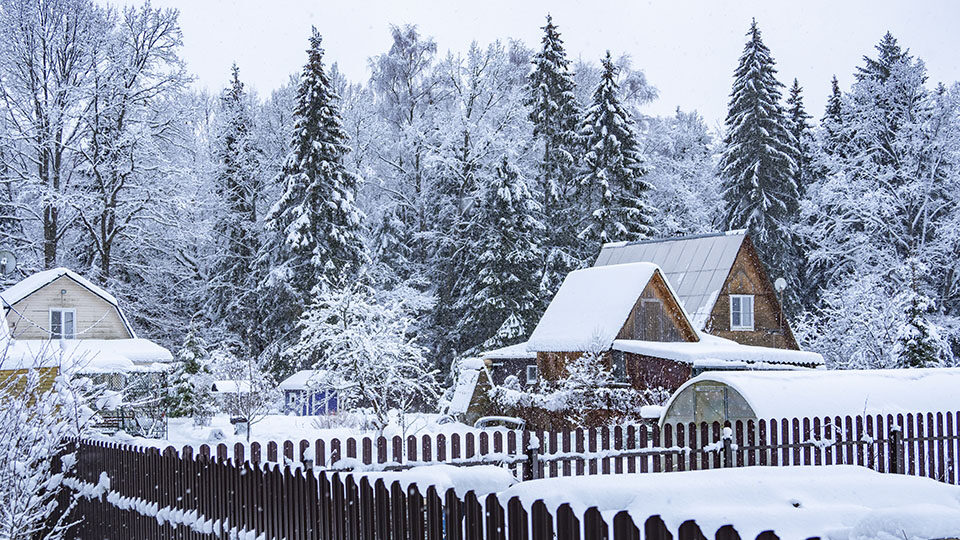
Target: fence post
[(727, 447), (896, 450), (532, 470)]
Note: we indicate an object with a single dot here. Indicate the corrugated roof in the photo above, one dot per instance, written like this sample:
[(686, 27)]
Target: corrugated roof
[(696, 266)]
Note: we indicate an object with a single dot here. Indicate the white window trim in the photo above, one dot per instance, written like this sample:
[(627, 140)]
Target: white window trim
[(61, 311), (753, 311), (536, 373)]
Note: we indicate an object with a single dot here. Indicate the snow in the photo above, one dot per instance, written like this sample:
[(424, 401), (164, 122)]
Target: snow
[(481, 479), (472, 363), (591, 307), (713, 350), (833, 502), (786, 394), (230, 387), (463, 392), (652, 411), (32, 283), (302, 379), (510, 351), (87, 355)]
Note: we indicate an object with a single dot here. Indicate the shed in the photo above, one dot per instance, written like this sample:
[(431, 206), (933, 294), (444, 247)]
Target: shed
[(720, 396), (514, 360), (310, 392)]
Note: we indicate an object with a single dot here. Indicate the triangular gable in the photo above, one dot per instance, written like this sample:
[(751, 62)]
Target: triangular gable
[(659, 289), (592, 306)]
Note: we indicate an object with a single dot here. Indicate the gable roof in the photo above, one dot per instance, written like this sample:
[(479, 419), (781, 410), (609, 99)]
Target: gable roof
[(591, 307), (33, 283), (697, 266)]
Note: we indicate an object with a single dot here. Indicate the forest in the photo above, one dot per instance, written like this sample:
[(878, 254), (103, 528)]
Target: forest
[(430, 212)]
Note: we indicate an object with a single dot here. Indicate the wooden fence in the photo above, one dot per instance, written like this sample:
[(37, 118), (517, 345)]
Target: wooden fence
[(154, 495), (924, 444)]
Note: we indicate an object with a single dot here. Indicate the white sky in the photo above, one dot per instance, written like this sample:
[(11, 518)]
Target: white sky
[(688, 49)]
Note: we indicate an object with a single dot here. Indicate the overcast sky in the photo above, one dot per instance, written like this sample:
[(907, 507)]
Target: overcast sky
[(688, 49)]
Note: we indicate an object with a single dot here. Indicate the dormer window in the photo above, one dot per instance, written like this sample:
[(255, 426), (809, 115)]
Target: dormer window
[(741, 312), (63, 323)]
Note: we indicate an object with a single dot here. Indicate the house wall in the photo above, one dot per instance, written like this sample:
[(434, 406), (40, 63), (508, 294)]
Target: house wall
[(649, 372), (501, 368), (747, 276), (13, 379), (93, 312), (674, 323)]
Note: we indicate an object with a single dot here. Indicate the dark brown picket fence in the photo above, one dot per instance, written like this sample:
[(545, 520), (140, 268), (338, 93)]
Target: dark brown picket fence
[(924, 444), (154, 495)]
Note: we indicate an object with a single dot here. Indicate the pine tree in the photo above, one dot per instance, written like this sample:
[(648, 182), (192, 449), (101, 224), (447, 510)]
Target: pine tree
[(799, 126), (889, 55), (502, 304), (232, 300), (191, 381), (316, 223), (555, 118), (757, 165), (612, 187), (832, 120)]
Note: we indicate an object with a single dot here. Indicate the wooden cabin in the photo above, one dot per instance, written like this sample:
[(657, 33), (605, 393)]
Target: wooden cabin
[(632, 315), (719, 280), (57, 318), (310, 392)]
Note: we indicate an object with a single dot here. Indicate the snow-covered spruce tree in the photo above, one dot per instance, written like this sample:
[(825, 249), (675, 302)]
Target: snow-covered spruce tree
[(555, 118), (757, 165), (231, 301), (613, 189), (886, 204), (361, 340), (798, 122), (832, 119), (502, 303), (190, 393), (315, 225)]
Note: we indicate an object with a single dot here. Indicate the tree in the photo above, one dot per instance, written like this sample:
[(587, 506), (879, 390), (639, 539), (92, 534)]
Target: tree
[(612, 187), (758, 166), (232, 300), (799, 127), (502, 303), (253, 394), (192, 381), (315, 225), (832, 119), (361, 341), (555, 118)]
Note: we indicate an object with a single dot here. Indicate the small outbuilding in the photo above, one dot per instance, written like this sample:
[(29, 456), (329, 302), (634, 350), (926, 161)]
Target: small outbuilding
[(721, 396), (309, 392)]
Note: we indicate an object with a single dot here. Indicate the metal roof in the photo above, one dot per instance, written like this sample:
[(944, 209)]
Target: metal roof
[(696, 266)]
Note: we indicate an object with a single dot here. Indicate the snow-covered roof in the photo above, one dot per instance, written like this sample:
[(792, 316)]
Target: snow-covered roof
[(787, 394), (304, 378), (230, 387), (831, 501), (719, 351), (510, 351), (86, 355), (591, 307), (697, 266), (32, 283)]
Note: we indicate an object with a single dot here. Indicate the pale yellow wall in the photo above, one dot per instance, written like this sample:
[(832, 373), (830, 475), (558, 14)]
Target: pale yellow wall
[(92, 311)]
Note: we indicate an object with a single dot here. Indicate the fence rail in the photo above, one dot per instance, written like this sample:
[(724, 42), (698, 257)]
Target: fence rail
[(154, 495), (924, 444)]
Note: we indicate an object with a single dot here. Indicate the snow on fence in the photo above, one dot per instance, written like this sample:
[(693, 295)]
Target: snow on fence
[(924, 444), (128, 492)]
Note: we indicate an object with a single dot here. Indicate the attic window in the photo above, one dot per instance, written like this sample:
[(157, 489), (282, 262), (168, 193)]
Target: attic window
[(741, 312), (63, 323), (531, 373)]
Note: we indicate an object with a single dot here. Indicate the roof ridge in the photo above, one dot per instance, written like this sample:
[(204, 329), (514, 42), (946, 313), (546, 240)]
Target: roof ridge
[(732, 232)]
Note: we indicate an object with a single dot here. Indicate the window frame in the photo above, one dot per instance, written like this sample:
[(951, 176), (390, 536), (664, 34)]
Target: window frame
[(536, 373), (61, 311), (743, 327)]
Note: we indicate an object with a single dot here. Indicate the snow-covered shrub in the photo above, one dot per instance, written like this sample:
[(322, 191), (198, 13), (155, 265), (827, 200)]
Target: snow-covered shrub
[(254, 394), (37, 420), (361, 340), (190, 394)]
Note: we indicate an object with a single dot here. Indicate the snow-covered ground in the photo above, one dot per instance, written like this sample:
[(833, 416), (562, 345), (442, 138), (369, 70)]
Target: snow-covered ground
[(833, 502), (281, 428)]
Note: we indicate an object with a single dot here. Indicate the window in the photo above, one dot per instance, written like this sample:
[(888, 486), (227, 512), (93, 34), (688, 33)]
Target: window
[(531, 374), (618, 366), (741, 312), (63, 323)]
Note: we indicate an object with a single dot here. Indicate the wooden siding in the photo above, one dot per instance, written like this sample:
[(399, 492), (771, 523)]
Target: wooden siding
[(13, 379), (674, 323), (99, 318), (770, 327), (649, 372)]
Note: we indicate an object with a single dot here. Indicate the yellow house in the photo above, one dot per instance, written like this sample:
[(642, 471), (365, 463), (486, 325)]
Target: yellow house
[(57, 319)]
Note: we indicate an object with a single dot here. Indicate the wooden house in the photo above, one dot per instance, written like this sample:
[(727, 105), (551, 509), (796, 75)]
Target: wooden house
[(719, 280), (57, 318), (633, 316), (309, 392)]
